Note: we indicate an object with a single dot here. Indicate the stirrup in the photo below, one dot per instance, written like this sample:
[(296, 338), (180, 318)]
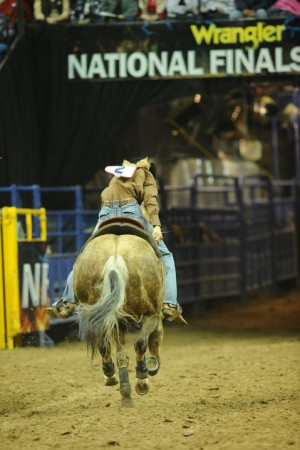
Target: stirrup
[(172, 313), (61, 309)]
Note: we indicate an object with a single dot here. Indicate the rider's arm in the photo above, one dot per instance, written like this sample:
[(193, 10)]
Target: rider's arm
[(150, 199)]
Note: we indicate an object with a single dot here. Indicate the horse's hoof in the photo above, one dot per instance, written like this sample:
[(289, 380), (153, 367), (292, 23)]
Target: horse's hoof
[(110, 381), (153, 365), (127, 402), (142, 386)]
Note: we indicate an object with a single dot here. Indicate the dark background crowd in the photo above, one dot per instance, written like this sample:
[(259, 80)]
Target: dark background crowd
[(107, 11), (101, 11)]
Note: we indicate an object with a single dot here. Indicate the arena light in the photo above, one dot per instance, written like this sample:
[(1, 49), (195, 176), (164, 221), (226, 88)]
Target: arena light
[(197, 98)]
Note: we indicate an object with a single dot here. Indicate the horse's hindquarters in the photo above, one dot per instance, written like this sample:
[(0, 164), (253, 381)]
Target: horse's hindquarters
[(119, 279)]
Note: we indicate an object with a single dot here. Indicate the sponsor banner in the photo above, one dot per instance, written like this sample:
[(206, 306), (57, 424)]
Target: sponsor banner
[(171, 50), (34, 286)]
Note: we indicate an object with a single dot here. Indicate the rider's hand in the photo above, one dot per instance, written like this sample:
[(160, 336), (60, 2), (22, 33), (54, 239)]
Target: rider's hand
[(157, 234)]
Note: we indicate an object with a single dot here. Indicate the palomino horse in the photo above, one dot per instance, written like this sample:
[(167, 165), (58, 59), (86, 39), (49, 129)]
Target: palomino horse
[(119, 280)]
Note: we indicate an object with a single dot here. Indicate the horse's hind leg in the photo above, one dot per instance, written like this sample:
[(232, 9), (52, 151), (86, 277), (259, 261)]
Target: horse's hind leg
[(154, 342), (122, 362), (108, 366), (140, 345)]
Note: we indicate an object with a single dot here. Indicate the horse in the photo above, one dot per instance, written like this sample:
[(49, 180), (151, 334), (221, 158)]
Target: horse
[(119, 281)]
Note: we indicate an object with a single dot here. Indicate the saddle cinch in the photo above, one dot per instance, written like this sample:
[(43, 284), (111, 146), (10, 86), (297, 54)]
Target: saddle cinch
[(124, 225)]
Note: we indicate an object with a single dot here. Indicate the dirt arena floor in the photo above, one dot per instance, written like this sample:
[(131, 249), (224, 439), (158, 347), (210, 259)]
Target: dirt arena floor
[(229, 380)]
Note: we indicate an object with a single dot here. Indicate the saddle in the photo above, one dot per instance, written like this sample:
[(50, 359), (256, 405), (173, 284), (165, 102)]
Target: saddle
[(124, 225)]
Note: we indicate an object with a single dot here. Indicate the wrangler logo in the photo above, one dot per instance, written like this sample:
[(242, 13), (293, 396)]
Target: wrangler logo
[(253, 35)]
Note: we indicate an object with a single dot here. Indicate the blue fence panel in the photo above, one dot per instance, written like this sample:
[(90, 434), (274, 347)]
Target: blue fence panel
[(65, 234), (89, 218), (65, 225), (206, 251), (21, 196)]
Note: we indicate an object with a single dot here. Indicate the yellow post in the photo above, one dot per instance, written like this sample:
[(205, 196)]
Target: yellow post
[(2, 311), (29, 213), (28, 217), (43, 224), (11, 274), (10, 315)]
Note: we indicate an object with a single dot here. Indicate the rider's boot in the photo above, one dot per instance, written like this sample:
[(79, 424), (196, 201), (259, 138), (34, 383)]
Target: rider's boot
[(61, 309), (173, 313)]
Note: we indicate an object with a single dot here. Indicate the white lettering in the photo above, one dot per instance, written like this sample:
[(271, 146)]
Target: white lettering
[(97, 67), (244, 62), (191, 63), (122, 67), (280, 67), (35, 287), (264, 61), (112, 59), (217, 59), (183, 63), (177, 64), (158, 64), (80, 66), (137, 65), (295, 56)]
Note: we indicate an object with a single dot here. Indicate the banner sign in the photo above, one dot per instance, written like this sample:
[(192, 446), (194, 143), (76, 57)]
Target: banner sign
[(34, 286), (171, 50)]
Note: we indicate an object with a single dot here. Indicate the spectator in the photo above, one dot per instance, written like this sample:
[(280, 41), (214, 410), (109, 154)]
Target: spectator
[(3, 46), (182, 9), (217, 9), (51, 11), (7, 31), (9, 9), (250, 9), (86, 11), (285, 8), (119, 10), (152, 9), (8, 23)]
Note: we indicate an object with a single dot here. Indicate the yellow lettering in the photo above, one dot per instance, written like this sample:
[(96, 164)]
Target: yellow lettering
[(216, 36), (260, 29), (233, 35), (237, 35), (269, 33), (226, 36), (280, 29), (251, 36), (203, 33)]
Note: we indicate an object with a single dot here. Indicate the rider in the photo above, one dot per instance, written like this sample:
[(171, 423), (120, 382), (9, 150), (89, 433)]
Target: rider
[(133, 185)]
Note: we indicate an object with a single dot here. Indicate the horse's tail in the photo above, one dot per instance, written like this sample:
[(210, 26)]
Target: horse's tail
[(101, 319)]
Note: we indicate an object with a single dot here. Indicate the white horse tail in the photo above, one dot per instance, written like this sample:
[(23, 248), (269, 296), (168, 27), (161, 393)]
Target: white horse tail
[(101, 319)]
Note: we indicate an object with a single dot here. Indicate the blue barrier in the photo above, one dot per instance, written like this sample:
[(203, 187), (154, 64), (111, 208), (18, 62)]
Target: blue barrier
[(244, 241), (65, 226)]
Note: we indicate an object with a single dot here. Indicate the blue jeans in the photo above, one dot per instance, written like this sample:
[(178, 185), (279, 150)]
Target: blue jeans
[(134, 211)]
